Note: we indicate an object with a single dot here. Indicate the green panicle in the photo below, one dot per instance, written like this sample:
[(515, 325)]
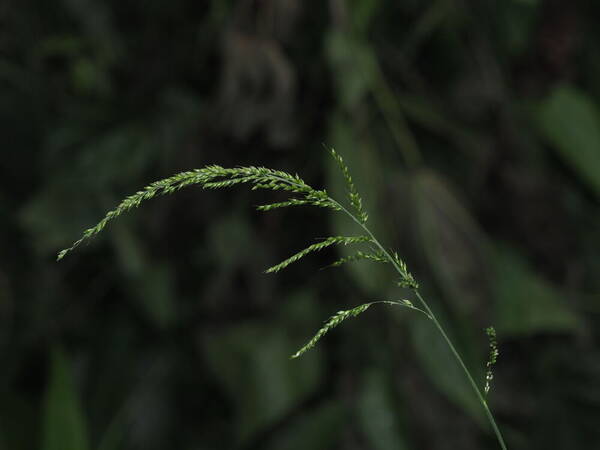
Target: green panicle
[(217, 177)]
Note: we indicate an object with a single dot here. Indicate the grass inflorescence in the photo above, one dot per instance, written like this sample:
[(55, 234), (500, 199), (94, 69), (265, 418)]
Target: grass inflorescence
[(217, 177)]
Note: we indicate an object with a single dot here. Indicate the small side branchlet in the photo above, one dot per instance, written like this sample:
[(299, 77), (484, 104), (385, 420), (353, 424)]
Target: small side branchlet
[(492, 358), (340, 316), (334, 240), (353, 196), (407, 280), (333, 322), (295, 202), (358, 256)]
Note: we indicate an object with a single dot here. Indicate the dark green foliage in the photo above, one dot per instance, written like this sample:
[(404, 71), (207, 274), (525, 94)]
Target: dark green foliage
[(470, 133)]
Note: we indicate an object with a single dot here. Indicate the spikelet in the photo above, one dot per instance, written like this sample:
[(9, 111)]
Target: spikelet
[(407, 280), (377, 257), (334, 240), (321, 203), (353, 196), (333, 322)]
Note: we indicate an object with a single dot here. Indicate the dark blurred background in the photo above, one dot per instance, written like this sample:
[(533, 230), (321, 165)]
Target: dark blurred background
[(472, 128)]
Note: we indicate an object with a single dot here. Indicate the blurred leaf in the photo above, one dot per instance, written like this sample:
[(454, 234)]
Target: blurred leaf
[(95, 20), (89, 78), (516, 24), (102, 160), (525, 302), (570, 121), (18, 422), (113, 437), (156, 293), (115, 158), (455, 247), (232, 240), (64, 422), (70, 201), (363, 12), (150, 281), (354, 67), (442, 369), (318, 429), (365, 168), (378, 413), (44, 217), (428, 114), (252, 362), (65, 45)]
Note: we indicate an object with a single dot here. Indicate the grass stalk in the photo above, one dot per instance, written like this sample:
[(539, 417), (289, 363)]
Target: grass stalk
[(437, 324)]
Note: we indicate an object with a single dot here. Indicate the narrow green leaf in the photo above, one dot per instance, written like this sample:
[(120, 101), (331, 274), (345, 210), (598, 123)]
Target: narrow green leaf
[(64, 426), (317, 428), (378, 412), (241, 358), (525, 302), (570, 122), (455, 247), (442, 369)]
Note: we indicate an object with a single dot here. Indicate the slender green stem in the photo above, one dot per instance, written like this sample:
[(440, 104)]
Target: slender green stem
[(432, 316), (392, 114), (481, 398)]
